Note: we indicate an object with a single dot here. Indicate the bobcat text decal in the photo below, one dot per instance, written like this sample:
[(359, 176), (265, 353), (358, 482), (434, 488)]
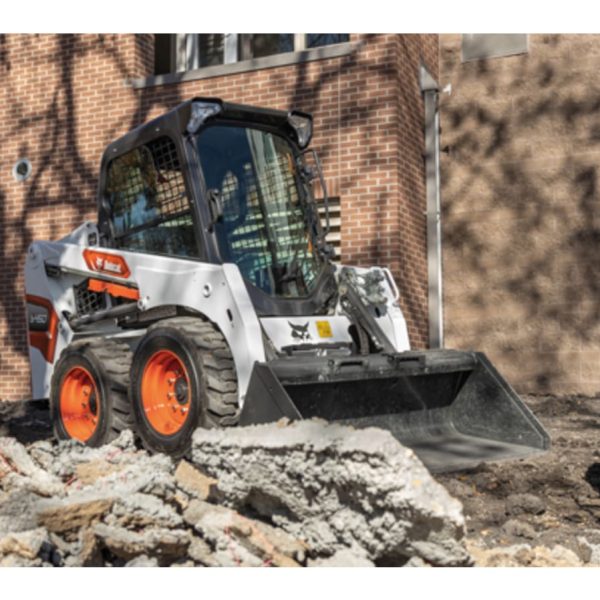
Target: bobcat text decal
[(111, 264)]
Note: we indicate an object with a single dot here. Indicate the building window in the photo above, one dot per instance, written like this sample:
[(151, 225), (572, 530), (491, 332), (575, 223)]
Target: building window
[(190, 51), (314, 40), (211, 49), (477, 46), (164, 53), (256, 45)]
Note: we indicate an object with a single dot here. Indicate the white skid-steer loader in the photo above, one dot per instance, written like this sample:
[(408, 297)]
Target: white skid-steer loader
[(206, 295)]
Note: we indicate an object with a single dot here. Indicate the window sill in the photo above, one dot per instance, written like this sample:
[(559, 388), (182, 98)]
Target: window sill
[(266, 62)]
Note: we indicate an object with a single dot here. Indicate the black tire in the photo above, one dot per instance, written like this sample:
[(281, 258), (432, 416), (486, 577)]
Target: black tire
[(210, 370), (107, 361)]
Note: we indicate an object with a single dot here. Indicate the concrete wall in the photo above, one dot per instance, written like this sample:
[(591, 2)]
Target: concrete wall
[(521, 210), (63, 98)]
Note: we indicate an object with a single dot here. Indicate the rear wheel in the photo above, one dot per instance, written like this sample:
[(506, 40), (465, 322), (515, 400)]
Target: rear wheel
[(183, 377), (88, 397)]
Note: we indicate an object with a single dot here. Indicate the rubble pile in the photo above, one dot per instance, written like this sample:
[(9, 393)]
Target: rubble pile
[(288, 495), (301, 494)]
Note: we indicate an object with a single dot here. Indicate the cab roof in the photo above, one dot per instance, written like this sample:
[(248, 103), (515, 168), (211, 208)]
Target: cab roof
[(176, 120)]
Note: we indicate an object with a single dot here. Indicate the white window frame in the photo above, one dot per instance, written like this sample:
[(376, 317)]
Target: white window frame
[(187, 57), (183, 61)]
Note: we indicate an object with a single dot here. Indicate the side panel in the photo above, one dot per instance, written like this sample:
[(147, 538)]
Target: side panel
[(60, 295), (294, 331), (215, 291), (332, 329)]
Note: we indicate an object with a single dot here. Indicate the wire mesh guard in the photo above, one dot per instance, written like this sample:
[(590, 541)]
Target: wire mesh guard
[(150, 207), (86, 301)]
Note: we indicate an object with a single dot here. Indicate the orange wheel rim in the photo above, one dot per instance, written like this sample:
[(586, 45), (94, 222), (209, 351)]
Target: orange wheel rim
[(79, 404), (166, 392)]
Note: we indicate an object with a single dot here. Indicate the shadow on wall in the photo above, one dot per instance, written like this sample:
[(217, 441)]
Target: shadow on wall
[(521, 211), (64, 181), (61, 193)]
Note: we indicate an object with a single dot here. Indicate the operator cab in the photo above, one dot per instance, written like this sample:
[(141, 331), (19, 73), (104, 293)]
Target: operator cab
[(223, 183)]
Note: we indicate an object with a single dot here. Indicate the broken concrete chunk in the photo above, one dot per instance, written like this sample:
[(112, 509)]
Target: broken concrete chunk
[(180, 562), (18, 470), (17, 511), (143, 561), (125, 441), (195, 483), (343, 558), (152, 541), (335, 487), (72, 512), (585, 550), (14, 560), (517, 504), (65, 547), (588, 547), (70, 453), (136, 473), (200, 552), (523, 555), (285, 543), (89, 553), (14, 457), (42, 452), (415, 562), (559, 556), (144, 510), (85, 551), (518, 528), (26, 544), (245, 540), (89, 472)]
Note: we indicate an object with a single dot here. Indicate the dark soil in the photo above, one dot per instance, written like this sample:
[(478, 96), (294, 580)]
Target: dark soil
[(547, 499), (28, 421)]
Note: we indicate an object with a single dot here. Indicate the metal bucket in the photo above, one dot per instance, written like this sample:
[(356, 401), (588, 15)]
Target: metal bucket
[(452, 408)]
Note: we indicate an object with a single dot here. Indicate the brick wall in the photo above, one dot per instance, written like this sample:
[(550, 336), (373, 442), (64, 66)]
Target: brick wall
[(65, 97), (521, 210)]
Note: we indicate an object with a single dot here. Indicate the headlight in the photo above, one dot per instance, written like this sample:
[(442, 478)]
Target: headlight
[(302, 125), (200, 112)]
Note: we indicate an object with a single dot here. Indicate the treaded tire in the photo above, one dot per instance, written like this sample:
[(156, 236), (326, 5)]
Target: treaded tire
[(209, 366), (108, 362)]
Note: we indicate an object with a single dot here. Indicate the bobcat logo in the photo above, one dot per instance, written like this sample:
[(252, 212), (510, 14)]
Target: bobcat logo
[(300, 332)]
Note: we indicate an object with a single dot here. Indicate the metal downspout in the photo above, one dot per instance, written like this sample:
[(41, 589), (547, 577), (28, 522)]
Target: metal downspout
[(429, 89)]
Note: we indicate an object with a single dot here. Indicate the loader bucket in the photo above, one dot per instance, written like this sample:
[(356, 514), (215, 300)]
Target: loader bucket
[(452, 408)]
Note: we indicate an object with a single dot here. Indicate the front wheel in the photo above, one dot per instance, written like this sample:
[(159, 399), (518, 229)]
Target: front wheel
[(182, 377)]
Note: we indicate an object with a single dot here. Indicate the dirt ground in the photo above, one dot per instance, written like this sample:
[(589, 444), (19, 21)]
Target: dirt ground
[(549, 499)]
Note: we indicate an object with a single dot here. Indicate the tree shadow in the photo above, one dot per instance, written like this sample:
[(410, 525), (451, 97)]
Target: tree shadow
[(62, 188), (521, 219)]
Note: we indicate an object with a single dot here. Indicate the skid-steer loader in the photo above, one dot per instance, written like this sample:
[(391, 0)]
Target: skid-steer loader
[(206, 295)]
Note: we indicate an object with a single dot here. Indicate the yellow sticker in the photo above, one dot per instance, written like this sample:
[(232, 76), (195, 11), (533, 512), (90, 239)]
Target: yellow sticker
[(324, 329)]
